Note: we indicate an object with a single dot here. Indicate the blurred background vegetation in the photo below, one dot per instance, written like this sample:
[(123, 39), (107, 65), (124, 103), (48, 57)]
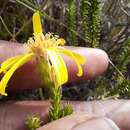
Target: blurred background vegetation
[(103, 24)]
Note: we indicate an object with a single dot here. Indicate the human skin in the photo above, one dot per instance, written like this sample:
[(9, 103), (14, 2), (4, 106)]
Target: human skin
[(87, 115), (27, 77)]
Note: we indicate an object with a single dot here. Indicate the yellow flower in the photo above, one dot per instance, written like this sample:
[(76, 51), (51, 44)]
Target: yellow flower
[(45, 49)]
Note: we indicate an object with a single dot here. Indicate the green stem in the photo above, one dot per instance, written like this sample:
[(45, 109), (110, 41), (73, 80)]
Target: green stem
[(72, 38), (56, 109), (90, 17), (41, 94)]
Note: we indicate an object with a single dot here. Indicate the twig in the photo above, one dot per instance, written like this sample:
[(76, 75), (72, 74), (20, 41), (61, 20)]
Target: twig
[(121, 4), (5, 26), (23, 27), (24, 4), (116, 69)]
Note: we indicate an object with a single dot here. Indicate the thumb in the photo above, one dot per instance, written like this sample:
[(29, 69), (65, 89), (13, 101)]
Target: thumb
[(81, 121)]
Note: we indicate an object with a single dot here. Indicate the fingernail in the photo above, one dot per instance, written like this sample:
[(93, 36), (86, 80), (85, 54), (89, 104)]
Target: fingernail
[(111, 124)]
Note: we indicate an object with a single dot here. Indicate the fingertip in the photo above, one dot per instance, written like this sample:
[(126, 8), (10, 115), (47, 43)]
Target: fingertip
[(96, 63), (99, 64)]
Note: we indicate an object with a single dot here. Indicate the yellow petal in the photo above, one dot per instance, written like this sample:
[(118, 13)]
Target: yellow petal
[(79, 60), (37, 26), (59, 66), (10, 72), (9, 63)]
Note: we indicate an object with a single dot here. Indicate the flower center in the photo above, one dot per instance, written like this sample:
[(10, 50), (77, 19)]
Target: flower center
[(40, 43)]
